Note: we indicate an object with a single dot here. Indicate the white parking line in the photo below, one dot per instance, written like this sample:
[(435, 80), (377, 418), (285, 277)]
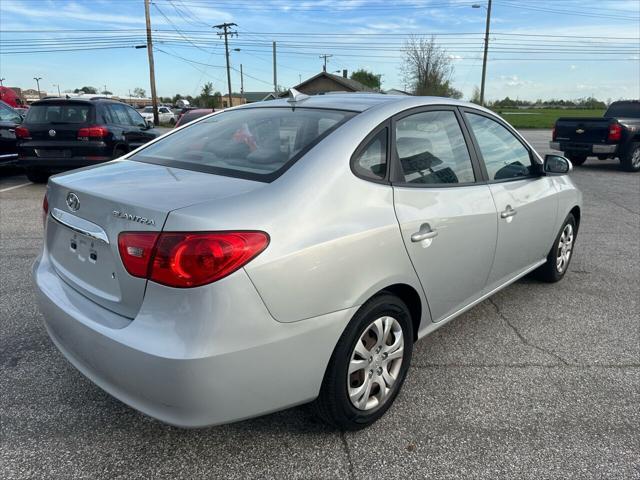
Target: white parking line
[(15, 186)]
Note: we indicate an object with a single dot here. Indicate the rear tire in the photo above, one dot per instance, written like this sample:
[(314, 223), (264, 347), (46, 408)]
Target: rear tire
[(118, 152), (354, 400), (630, 161), (560, 254), (577, 160), (38, 176)]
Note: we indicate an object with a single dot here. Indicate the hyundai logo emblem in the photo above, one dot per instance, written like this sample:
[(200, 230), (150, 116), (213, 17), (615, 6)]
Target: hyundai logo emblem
[(73, 202), (52, 133)]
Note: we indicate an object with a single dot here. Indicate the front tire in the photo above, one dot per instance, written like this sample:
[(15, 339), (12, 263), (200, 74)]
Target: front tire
[(560, 254), (577, 160), (368, 365), (630, 161)]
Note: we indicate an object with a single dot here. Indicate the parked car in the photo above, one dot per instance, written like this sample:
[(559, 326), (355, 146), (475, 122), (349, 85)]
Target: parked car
[(192, 114), (292, 251), (61, 134), (617, 134), (165, 115), (9, 120)]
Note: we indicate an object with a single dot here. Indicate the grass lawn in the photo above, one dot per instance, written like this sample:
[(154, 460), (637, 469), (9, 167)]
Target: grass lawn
[(542, 117)]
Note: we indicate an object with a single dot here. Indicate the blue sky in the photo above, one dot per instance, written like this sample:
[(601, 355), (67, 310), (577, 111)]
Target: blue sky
[(539, 48)]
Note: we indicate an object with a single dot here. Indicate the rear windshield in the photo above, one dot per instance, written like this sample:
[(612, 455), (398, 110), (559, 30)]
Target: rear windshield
[(67, 113), (191, 116), (254, 143), (626, 109)]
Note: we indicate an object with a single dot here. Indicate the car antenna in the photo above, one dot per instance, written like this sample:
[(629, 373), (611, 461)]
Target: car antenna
[(295, 96)]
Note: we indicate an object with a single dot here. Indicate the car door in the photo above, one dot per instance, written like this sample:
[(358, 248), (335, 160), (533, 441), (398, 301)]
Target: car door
[(140, 133), (526, 201), (445, 211), (9, 120)]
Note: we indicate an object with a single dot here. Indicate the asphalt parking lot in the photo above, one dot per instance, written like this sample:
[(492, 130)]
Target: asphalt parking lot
[(540, 381)]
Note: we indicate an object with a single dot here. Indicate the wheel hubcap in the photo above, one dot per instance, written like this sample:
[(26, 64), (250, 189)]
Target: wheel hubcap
[(375, 363), (635, 159), (565, 245)]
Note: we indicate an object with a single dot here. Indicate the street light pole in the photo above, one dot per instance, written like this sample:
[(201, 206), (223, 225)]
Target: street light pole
[(486, 50), (58, 86), (37, 79), (152, 72)]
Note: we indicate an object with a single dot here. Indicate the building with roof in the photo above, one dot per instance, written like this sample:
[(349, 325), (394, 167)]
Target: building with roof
[(325, 82)]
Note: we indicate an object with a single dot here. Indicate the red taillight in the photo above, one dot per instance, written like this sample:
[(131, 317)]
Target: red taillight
[(95, 131), (615, 132), (45, 209), (554, 134), (23, 133), (136, 251), (184, 260)]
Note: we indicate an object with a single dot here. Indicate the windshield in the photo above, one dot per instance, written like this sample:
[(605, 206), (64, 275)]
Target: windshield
[(52, 113), (623, 109), (255, 143)]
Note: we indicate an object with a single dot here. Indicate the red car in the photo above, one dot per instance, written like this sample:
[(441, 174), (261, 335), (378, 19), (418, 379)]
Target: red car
[(191, 115)]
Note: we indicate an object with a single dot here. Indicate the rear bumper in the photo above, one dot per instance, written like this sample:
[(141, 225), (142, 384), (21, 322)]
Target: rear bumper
[(586, 148), (194, 358)]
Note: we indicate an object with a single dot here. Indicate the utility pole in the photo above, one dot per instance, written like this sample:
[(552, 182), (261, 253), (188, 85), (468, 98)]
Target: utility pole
[(58, 86), (37, 79), (241, 83), (275, 74), (2, 80), (152, 73), (486, 52), (225, 31), (325, 56)]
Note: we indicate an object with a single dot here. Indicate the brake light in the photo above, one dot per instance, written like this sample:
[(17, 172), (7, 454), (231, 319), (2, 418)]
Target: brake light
[(92, 132), (23, 133), (45, 209), (615, 132), (183, 260), (554, 134)]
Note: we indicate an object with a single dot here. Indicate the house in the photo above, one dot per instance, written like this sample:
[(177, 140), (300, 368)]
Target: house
[(31, 95), (325, 82), (252, 97), (396, 91)]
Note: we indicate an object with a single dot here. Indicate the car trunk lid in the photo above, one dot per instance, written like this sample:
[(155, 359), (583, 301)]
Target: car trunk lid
[(91, 207)]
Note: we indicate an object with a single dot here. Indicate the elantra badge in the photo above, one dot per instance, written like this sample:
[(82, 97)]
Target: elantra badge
[(133, 218)]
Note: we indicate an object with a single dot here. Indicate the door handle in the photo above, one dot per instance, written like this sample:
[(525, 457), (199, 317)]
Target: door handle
[(12, 130), (508, 212), (425, 233)]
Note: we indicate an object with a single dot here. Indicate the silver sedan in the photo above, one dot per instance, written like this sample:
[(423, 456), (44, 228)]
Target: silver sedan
[(293, 251)]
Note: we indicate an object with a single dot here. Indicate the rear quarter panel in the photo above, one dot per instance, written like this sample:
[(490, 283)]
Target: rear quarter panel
[(335, 240)]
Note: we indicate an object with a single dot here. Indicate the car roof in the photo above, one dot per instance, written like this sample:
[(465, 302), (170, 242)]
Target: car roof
[(357, 102), (59, 100)]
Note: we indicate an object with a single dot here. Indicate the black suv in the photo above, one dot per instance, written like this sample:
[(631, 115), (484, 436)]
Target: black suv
[(63, 133)]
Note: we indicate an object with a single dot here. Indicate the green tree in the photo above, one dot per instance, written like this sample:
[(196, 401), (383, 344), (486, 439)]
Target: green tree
[(139, 92), (90, 90), (367, 78), (475, 97), (428, 68)]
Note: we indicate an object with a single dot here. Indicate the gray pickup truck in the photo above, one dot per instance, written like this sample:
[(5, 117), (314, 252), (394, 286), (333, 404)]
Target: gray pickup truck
[(617, 134)]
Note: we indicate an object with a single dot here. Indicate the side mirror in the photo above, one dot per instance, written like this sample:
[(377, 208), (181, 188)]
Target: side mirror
[(557, 165), (148, 125)]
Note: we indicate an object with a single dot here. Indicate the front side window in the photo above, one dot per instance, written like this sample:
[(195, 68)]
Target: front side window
[(503, 154), (135, 118), (251, 142), (431, 149), (120, 115), (371, 162)]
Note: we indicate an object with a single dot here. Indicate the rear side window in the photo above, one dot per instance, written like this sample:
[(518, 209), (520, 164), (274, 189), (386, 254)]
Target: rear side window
[(371, 162), (119, 115), (432, 150), (255, 143), (57, 113), (8, 114)]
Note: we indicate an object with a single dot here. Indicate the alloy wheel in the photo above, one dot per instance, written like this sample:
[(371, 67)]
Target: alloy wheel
[(565, 246), (375, 363), (635, 159)]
